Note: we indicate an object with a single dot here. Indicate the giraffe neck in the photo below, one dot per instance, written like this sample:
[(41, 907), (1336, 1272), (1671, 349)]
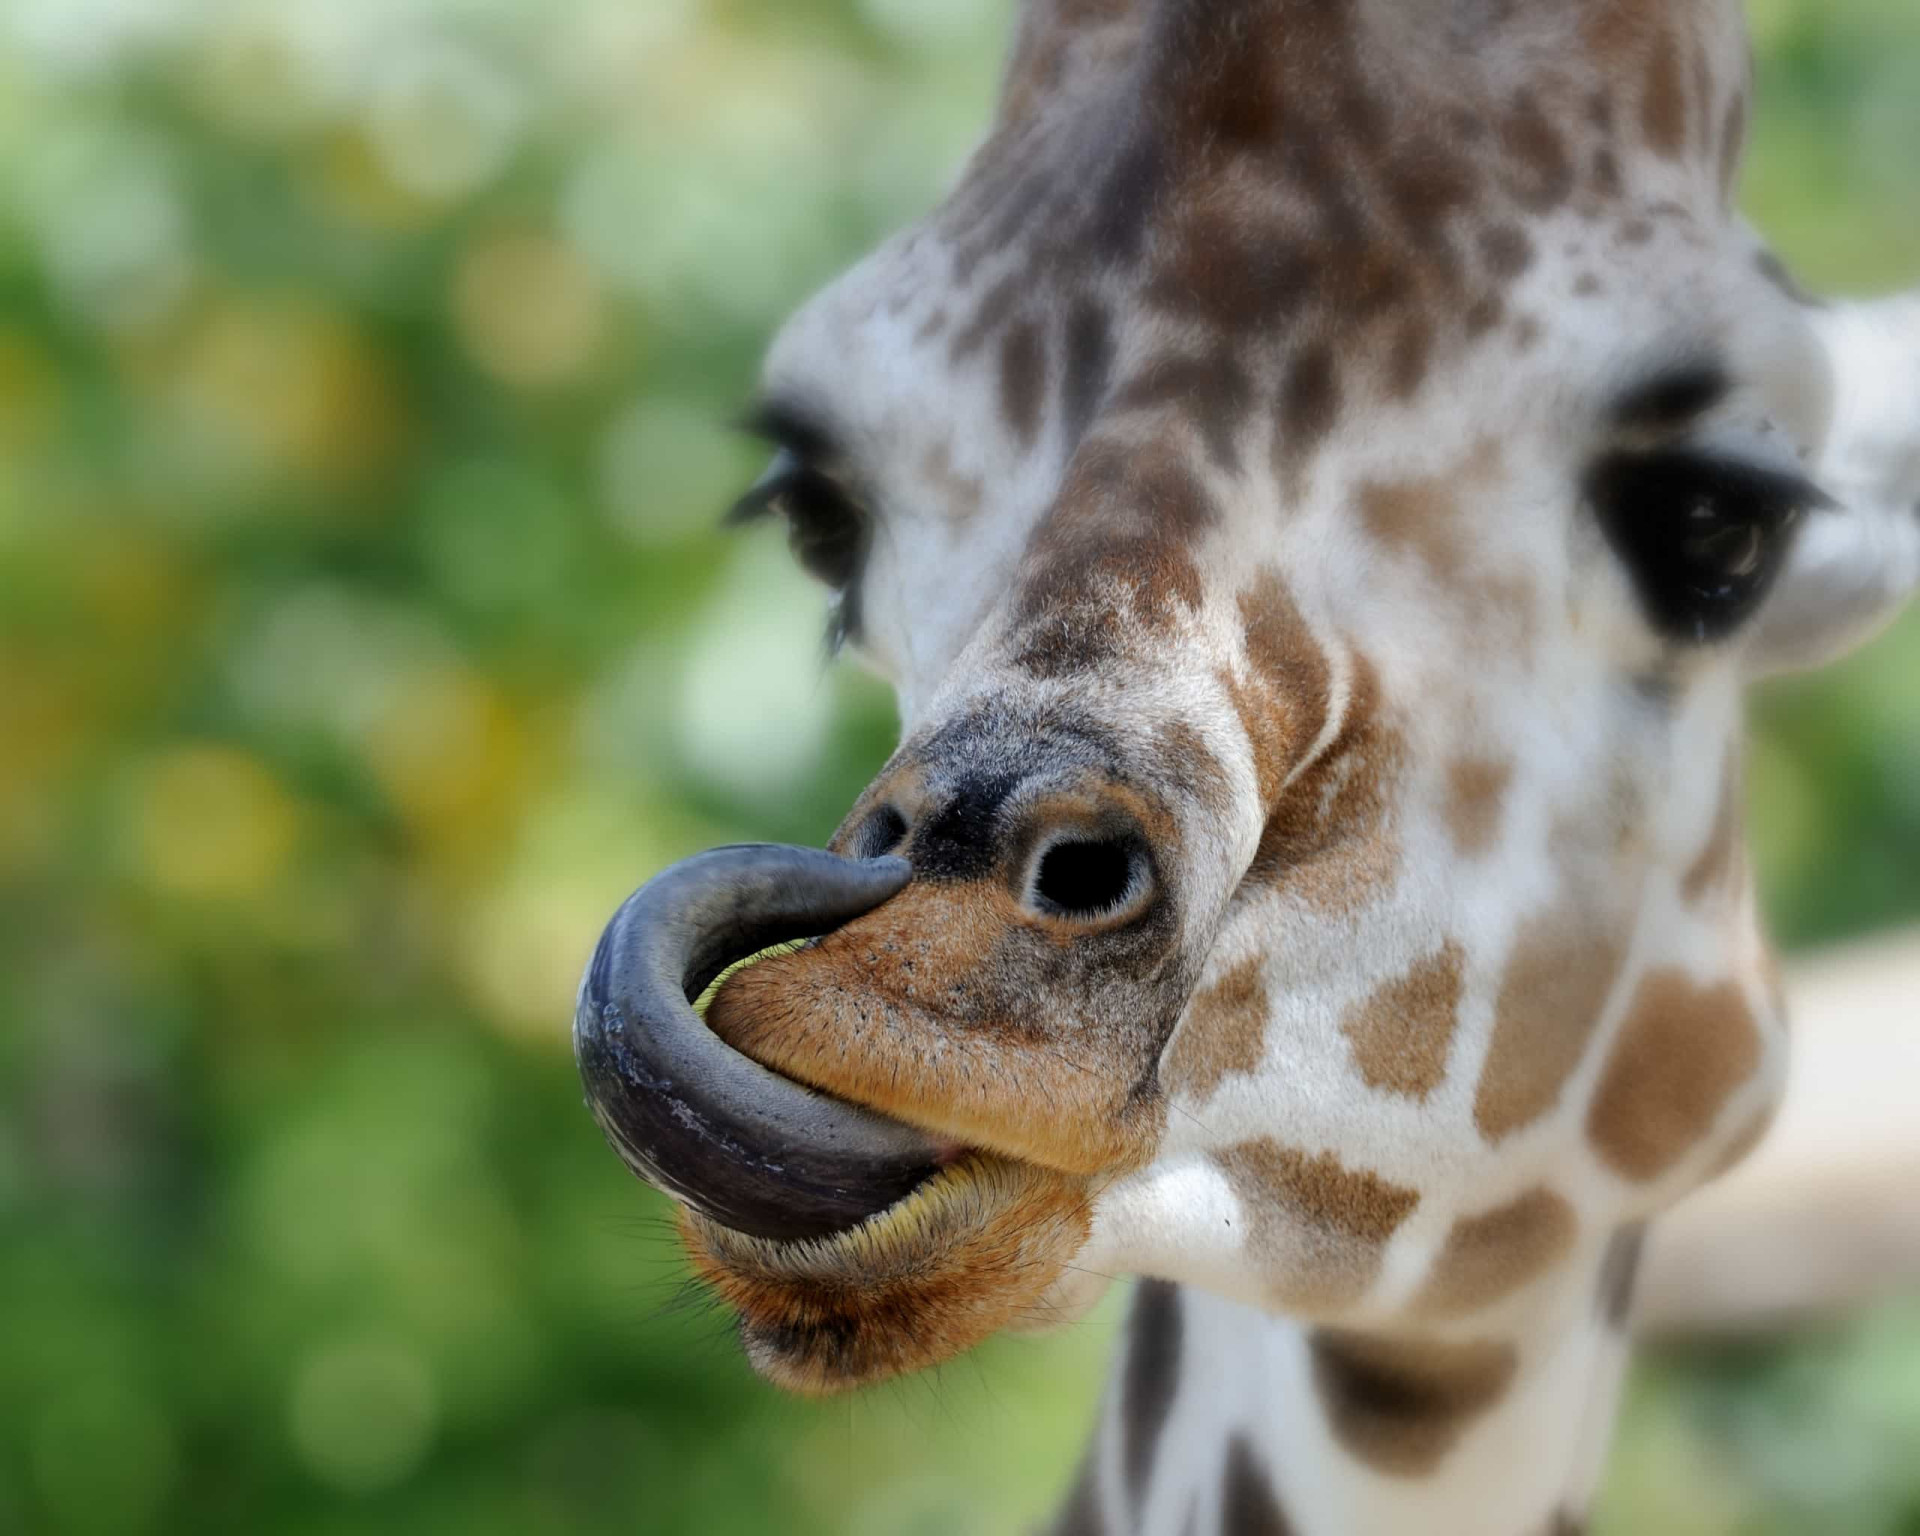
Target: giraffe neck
[(1224, 1419)]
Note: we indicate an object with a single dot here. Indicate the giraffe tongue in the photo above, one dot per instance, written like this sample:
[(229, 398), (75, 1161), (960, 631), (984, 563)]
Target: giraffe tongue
[(739, 1143)]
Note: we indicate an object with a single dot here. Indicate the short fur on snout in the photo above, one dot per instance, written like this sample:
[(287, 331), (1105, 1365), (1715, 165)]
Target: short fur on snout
[(952, 1010), (976, 1249)]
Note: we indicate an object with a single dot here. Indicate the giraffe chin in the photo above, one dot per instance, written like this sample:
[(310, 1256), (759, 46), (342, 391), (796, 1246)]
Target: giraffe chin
[(974, 1249)]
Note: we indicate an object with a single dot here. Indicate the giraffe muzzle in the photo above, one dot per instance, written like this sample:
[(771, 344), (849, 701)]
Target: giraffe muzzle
[(735, 1141)]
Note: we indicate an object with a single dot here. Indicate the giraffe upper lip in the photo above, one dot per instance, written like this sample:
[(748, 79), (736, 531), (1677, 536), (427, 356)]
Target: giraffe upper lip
[(736, 1141)]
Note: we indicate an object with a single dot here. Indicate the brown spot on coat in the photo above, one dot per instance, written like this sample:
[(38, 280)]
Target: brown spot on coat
[(1550, 1001), (1401, 1033), (1418, 516), (1701, 96), (1399, 1405), (1309, 403), (1089, 362), (993, 311), (1186, 760), (1214, 392), (1116, 544), (1407, 361), (1663, 100), (1619, 1268), (1224, 1032), (1681, 1051), (1476, 799), (1023, 374), (1606, 173), (1422, 515), (1733, 140), (1507, 250), (1544, 174), (1284, 708), (1248, 1504), (1329, 840), (1321, 1225), (1490, 1256), (1150, 1380)]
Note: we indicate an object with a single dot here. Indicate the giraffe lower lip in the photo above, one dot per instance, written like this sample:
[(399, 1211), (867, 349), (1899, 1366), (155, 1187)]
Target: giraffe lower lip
[(741, 1144)]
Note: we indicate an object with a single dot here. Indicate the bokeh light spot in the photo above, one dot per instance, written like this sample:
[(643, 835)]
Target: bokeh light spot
[(362, 1412), (443, 118), (210, 821), (669, 468), (755, 709), (529, 311)]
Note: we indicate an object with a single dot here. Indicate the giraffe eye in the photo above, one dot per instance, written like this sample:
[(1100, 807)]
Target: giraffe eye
[(1702, 536), (827, 530)]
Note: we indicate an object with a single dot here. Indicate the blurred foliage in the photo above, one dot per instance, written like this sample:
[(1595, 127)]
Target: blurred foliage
[(364, 637)]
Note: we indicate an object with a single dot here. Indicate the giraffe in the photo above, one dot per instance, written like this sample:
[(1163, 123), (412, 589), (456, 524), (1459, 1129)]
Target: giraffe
[(1318, 486)]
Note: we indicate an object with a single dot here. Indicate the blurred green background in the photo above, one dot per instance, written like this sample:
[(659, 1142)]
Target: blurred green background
[(365, 635)]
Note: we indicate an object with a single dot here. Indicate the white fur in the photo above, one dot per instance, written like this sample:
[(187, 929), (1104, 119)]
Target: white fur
[(1856, 564)]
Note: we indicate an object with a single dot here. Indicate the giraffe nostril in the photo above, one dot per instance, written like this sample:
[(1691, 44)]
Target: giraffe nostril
[(1089, 878), (881, 833)]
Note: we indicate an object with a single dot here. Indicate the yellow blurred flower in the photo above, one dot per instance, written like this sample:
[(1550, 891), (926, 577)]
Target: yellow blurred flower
[(30, 394), (283, 385), (353, 183), (41, 725), (576, 854), (450, 754), (528, 309), (211, 821)]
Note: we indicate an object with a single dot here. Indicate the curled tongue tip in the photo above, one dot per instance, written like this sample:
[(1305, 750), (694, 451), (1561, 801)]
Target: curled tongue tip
[(738, 1143)]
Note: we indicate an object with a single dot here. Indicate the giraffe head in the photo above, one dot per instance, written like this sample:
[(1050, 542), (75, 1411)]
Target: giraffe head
[(1318, 486)]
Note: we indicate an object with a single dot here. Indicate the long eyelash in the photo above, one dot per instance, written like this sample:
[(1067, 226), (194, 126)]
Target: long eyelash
[(1784, 490), (793, 476), (790, 427), (843, 621), (757, 501)]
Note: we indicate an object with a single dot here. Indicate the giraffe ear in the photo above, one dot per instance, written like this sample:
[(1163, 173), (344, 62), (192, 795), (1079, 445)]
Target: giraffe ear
[(1855, 564)]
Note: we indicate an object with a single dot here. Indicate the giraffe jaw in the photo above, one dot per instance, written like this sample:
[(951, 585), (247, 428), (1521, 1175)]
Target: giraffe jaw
[(980, 1246)]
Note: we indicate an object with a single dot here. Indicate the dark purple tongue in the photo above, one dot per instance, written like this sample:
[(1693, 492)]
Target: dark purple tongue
[(738, 1143)]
